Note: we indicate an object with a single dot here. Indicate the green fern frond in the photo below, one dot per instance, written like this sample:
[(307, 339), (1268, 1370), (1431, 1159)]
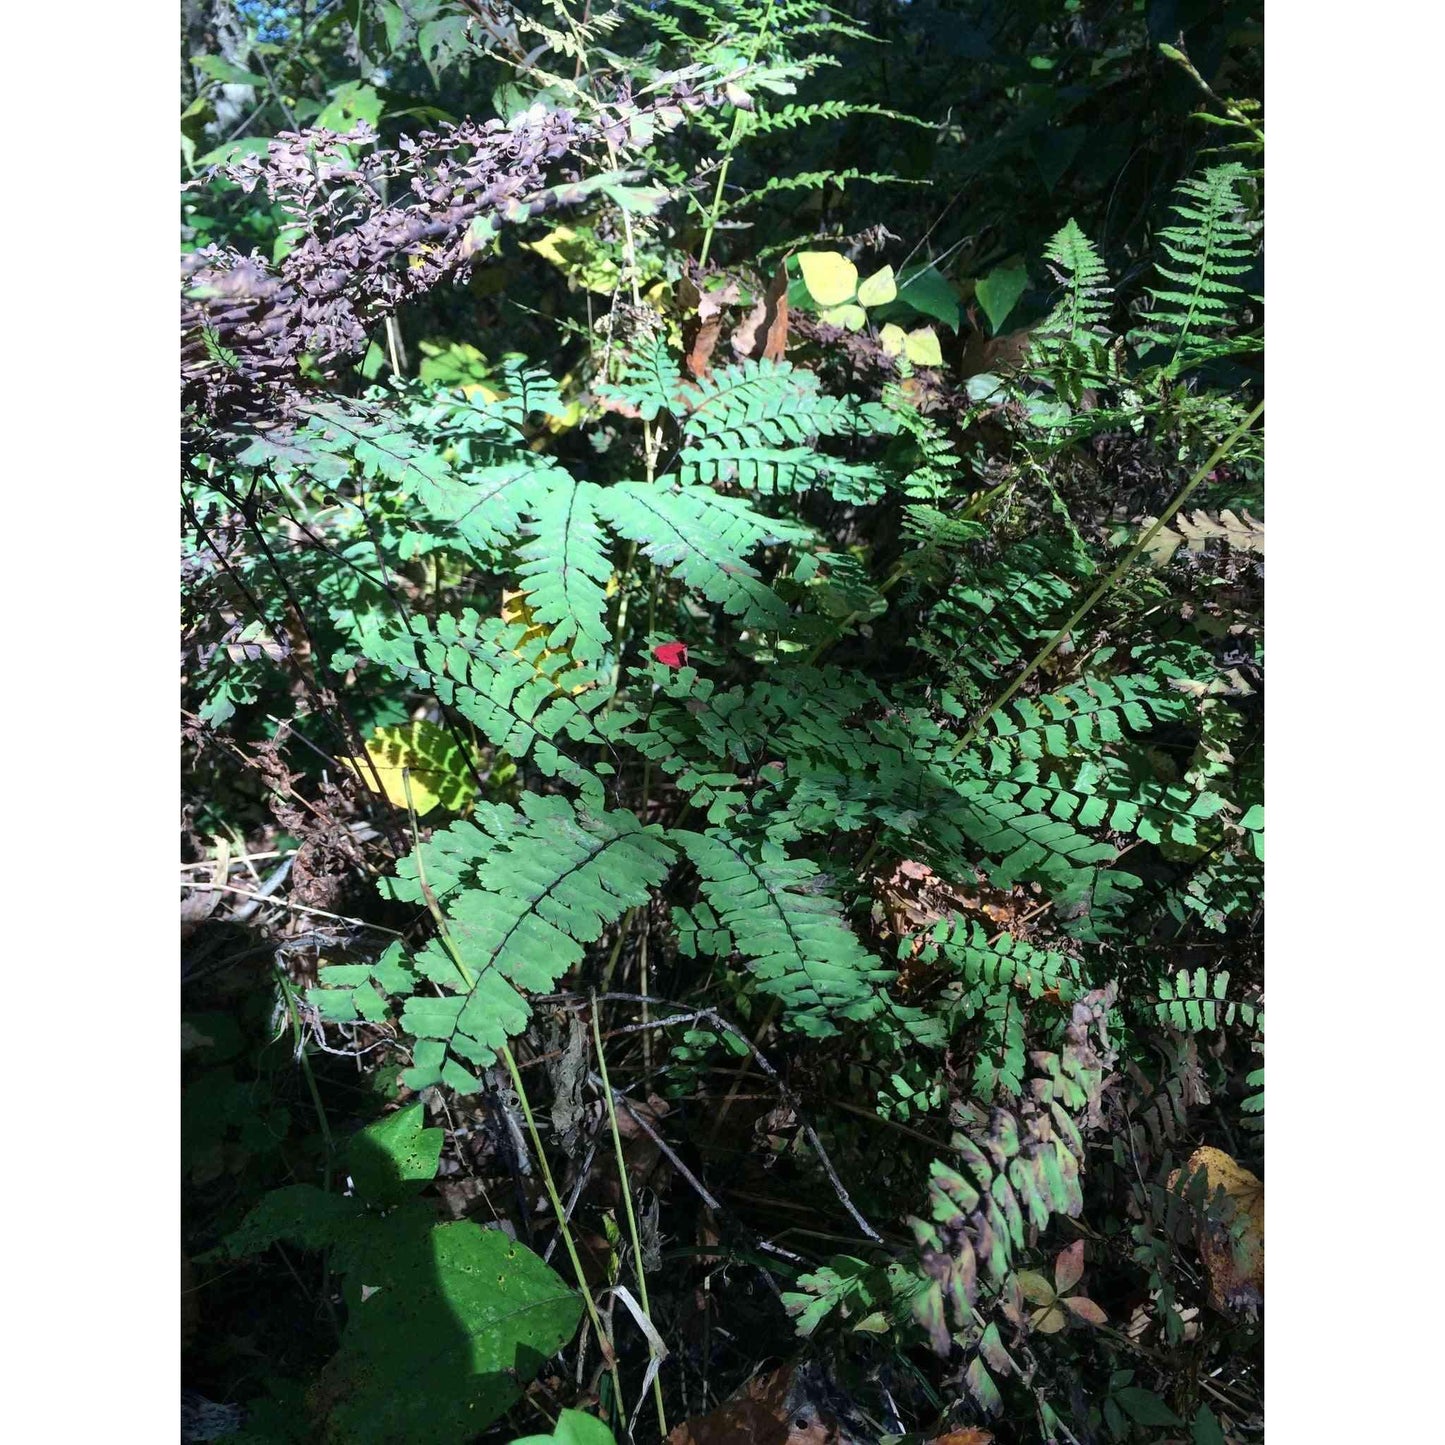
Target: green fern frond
[(794, 938), (823, 180), (1069, 346), (650, 380), (790, 117), (517, 695), (565, 569), (998, 1067), (1199, 1001), (543, 891), (756, 424), (706, 539), (984, 965), (1210, 247)]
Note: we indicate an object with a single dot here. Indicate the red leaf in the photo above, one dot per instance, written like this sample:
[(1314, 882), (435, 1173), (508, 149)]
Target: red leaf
[(1085, 1309), (1069, 1266), (671, 654)]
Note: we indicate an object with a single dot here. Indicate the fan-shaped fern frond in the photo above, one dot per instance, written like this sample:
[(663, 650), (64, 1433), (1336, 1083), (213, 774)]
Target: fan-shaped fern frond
[(565, 569), (796, 942), (497, 678), (705, 538)]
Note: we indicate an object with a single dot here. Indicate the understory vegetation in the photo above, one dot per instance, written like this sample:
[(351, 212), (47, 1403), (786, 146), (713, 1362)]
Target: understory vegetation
[(722, 711)]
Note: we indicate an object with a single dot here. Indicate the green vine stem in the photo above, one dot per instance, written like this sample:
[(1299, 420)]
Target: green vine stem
[(626, 1192), (609, 1355)]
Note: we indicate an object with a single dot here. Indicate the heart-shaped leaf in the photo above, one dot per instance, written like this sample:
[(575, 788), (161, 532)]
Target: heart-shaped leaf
[(922, 347), (849, 316), (999, 291), (879, 289), (893, 339), (831, 278)]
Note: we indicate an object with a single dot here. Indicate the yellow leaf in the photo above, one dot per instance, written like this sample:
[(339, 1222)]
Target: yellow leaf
[(553, 247), (893, 339), (848, 315), (922, 347), (420, 756), (1233, 1255), (879, 289), (515, 609), (831, 279), (578, 256)]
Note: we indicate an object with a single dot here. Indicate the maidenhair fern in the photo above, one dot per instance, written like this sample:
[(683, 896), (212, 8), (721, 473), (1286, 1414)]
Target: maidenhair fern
[(756, 424), (793, 937), (539, 886)]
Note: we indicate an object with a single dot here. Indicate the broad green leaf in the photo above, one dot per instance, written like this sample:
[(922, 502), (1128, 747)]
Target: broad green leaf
[(999, 291), (351, 103), (830, 277), (299, 1213), (1205, 1429), (445, 1325), (390, 1159), (879, 289), (927, 290), (1145, 1407), (234, 150), (215, 68), (573, 1428), (638, 200)]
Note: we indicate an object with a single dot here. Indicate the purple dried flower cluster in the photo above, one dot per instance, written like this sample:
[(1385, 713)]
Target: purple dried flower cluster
[(376, 228)]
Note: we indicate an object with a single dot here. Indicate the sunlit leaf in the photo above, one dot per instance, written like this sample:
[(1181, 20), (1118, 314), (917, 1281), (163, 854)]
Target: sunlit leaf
[(849, 316), (421, 757), (922, 348), (999, 291), (879, 289), (831, 278)]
